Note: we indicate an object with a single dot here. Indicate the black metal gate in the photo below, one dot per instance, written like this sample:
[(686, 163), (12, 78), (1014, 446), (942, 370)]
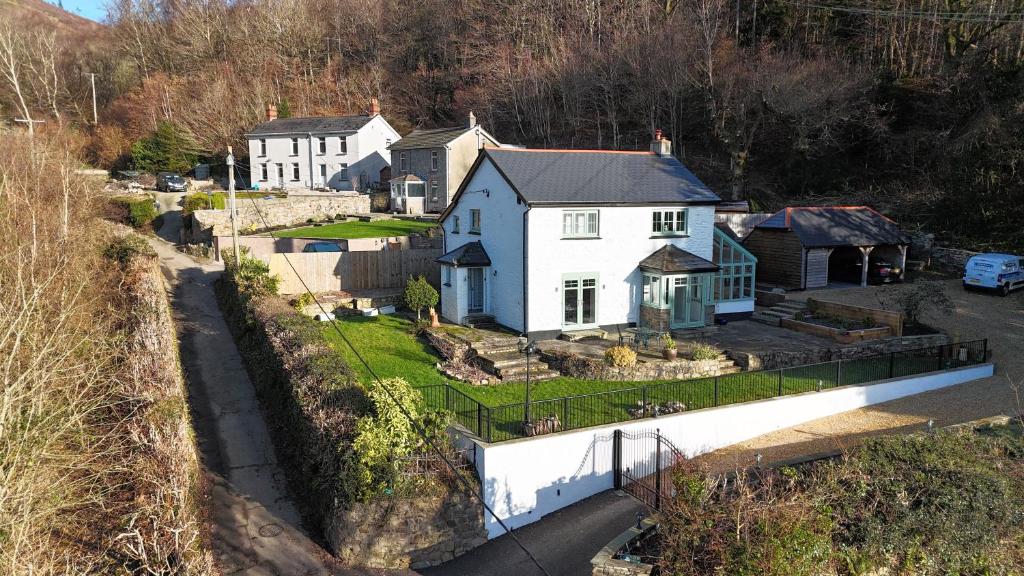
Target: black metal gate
[(642, 465)]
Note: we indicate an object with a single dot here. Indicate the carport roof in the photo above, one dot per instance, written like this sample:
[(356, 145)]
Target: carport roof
[(832, 226)]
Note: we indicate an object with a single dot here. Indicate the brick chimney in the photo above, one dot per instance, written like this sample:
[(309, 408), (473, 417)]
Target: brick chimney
[(471, 120), (271, 112), (660, 145), (374, 107)]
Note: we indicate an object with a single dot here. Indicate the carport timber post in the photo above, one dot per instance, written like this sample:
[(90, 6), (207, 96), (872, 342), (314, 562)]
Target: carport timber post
[(865, 251)]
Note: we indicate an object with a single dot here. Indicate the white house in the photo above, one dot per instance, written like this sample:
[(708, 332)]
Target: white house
[(552, 241), (338, 153)]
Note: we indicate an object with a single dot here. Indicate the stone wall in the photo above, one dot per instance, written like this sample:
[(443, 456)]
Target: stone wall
[(586, 367), (950, 258), (770, 360), (290, 211), (407, 533), (893, 320), (606, 563)]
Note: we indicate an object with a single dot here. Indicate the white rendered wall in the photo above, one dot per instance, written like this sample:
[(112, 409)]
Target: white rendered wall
[(734, 306), (366, 153), (501, 227), (525, 479), (625, 240)]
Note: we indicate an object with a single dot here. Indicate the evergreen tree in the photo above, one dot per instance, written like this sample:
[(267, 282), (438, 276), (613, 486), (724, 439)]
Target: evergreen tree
[(284, 109), (168, 149)]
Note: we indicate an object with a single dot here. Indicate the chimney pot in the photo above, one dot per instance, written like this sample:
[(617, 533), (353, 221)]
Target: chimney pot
[(471, 120), (374, 107), (271, 112), (660, 145)]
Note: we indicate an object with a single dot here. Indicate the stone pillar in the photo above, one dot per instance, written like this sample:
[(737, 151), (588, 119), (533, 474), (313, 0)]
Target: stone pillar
[(864, 252)]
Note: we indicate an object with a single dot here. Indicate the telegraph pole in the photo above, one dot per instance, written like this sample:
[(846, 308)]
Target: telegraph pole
[(92, 78), (231, 204)]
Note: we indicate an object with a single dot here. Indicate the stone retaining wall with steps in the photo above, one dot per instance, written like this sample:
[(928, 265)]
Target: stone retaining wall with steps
[(589, 368)]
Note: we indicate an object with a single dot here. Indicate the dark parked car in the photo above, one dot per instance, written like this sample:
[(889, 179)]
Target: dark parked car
[(170, 182), (322, 247), (880, 271)]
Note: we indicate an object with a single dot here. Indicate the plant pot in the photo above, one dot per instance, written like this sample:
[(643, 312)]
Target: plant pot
[(669, 353)]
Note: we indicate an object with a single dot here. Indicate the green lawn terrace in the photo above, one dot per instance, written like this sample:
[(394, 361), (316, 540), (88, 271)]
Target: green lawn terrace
[(497, 412), (379, 228)]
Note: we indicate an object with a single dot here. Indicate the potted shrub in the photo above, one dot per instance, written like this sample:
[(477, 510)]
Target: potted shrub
[(668, 347)]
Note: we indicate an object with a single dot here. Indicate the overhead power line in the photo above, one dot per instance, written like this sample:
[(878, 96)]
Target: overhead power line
[(974, 17), (416, 425)]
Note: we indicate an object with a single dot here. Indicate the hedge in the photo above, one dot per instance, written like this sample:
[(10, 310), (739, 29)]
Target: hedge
[(203, 201), (136, 211)]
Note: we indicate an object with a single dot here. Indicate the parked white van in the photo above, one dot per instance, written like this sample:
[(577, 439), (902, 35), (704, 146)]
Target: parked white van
[(1002, 272)]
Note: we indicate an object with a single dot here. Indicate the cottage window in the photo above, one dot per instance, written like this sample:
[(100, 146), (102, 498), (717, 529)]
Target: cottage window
[(343, 171), (447, 275), (433, 190), (580, 223), (402, 164), (652, 290), (669, 222), (263, 146), (455, 224), (295, 146), (321, 145), (474, 221), (433, 161), (295, 172), (342, 145), (263, 172)]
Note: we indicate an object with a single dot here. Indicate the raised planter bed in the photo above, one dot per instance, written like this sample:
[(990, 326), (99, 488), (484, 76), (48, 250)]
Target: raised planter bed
[(837, 334), (617, 558)]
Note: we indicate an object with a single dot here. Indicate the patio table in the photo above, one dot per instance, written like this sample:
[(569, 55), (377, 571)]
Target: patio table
[(640, 336)]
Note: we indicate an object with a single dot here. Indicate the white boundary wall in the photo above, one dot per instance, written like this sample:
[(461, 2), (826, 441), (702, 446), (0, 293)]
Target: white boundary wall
[(525, 479)]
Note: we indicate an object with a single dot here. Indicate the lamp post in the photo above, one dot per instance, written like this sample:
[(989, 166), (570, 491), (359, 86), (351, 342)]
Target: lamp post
[(527, 347)]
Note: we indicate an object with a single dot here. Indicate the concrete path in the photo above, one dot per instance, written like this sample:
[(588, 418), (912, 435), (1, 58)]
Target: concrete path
[(255, 527), (977, 315), (563, 542)]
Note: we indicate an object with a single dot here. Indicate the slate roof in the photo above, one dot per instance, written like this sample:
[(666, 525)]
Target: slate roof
[(430, 138), (471, 254), (670, 259), (598, 177), (829, 226), (315, 125)]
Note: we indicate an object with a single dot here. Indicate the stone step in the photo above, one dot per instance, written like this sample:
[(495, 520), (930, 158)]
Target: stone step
[(576, 335), (489, 348), (499, 360), (779, 313), (538, 373), (795, 306), (765, 319)]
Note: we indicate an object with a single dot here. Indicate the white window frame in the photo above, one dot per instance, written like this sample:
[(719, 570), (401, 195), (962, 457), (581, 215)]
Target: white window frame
[(295, 146), (321, 145), (343, 171), (434, 160), (665, 222), (263, 146), (447, 275), (264, 172), (455, 224), (296, 172), (342, 145), (474, 220), (402, 163), (581, 223), (433, 190)]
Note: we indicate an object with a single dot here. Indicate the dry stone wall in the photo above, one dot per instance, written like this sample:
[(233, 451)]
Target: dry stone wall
[(773, 359), (290, 211), (579, 366)]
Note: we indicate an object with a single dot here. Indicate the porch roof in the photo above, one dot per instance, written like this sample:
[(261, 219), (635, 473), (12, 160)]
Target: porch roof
[(471, 254), (671, 259)]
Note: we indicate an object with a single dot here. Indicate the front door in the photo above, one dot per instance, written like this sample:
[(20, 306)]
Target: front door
[(476, 290), (687, 301), (579, 301)]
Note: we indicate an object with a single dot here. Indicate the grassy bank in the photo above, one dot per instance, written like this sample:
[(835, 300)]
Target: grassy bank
[(351, 230)]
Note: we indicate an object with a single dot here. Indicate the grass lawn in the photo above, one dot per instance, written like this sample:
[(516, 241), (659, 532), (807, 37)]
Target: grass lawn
[(496, 412), (358, 229)]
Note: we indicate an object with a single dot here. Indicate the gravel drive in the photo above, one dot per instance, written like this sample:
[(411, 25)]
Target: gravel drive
[(977, 315)]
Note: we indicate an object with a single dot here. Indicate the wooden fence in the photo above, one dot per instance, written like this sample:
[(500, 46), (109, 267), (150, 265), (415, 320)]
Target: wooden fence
[(369, 270)]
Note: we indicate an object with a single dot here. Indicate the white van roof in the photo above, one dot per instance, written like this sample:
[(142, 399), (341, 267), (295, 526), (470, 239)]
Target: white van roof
[(993, 257)]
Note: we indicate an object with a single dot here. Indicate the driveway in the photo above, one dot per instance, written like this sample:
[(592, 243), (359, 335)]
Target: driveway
[(976, 315)]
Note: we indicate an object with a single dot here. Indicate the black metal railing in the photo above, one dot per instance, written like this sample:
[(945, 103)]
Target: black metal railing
[(507, 422)]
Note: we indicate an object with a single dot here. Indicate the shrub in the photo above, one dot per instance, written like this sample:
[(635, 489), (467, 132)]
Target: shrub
[(252, 276), (384, 437), (203, 201), (916, 299), (667, 342), (126, 248), (136, 212), (620, 356), (420, 294), (169, 149), (703, 351), (302, 301)]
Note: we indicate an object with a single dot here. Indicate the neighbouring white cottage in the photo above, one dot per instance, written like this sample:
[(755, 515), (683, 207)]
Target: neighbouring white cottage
[(553, 241), (330, 152)]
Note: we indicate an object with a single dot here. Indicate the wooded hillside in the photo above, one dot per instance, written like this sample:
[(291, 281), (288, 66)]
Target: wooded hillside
[(915, 107)]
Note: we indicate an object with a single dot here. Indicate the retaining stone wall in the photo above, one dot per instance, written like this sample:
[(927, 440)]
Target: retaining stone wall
[(951, 258), (408, 533), (290, 211), (770, 360), (577, 366)]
